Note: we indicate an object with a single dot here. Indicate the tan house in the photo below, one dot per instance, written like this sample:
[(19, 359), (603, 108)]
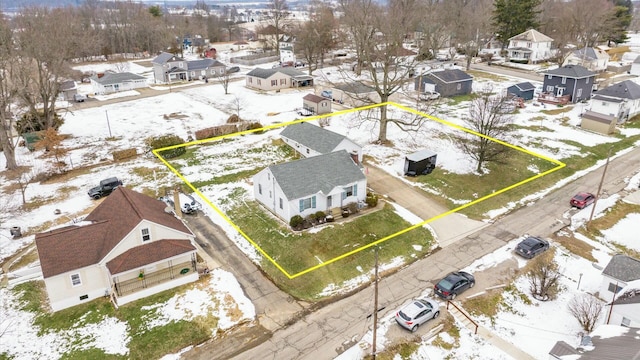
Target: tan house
[(593, 59), (127, 248), (278, 78), (601, 123), (316, 105)]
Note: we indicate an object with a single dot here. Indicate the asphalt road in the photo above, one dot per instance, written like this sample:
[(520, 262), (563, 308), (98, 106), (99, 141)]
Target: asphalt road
[(503, 70), (325, 333)]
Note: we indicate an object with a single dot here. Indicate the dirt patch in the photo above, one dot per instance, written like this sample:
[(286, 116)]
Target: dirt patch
[(174, 116)]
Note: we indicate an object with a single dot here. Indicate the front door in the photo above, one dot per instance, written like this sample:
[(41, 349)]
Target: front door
[(329, 205)]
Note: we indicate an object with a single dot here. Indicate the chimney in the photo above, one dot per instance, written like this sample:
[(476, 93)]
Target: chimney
[(176, 203), (354, 156)]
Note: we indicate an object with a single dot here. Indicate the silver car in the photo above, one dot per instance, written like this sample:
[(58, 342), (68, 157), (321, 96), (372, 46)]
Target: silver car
[(417, 312)]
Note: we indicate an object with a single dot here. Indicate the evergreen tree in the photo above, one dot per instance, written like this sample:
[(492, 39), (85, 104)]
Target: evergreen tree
[(616, 28), (512, 17)]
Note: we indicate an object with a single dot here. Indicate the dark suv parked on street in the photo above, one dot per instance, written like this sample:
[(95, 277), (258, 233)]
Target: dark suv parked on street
[(105, 188)]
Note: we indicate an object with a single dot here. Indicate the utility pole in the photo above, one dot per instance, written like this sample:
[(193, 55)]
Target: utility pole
[(593, 209), (375, 305)]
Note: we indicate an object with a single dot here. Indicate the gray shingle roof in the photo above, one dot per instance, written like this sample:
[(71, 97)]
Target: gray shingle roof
[(165, 57), (623, 268), (318, 174), (313, 137), (613, 342), (561, 348), (601, 118), (451, 75), (117, 78), (606, 98), (314, 98), (266, 73), (203, 64), (572, 71), (525, 86), (623, 90), (589, 54)]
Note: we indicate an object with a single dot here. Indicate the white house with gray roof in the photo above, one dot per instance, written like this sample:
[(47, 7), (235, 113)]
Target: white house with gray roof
[(112, 82), (531, 46), (620, 271), (278, 78), (591, 58), (311, 140), (606, 342), (304, 187), (621, 100), (625, 308)]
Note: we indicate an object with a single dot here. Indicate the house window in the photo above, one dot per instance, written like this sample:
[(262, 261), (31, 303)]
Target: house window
[(281, 203), (549, 77), (283, 81), (459, 87), (274, 82), (625, 322), (145, 234), (213, 72), (564, 80), (203, 72), (259, 82), (529, 45), (614, 288), (269, 194), (350, 191), (221, 71), (586, 81), (250, 80), (579, 93), (260, 189), (308, 203), (84, 297), (193, 74), (75, 280), (180, 65), (549, 88)]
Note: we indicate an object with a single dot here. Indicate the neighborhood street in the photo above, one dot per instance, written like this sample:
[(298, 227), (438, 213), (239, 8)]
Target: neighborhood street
[(327, 332)]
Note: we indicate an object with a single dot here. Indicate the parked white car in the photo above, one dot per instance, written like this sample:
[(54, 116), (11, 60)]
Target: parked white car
[(429, 95)]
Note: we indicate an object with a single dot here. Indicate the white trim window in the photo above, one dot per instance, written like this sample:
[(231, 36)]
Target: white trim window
[(146, 234), (75, 280)]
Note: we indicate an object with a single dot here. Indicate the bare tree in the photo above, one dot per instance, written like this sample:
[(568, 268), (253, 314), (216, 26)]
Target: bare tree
[(587, 309), (277, 14), (468, 22), (8, 94), (236, 105), (315, 37), (489, 120), (431, 31), (379, 44), (23, 180), (224, 78), (543, 275)]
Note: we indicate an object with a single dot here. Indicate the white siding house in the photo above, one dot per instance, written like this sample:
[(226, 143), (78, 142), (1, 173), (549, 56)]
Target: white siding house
[(620, 271), (621, 100), (112, 82), (531, 46), (625, 309), (306, 186), (311, 140)]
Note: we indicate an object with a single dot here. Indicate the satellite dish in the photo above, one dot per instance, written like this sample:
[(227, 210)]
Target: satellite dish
[(168, 210)]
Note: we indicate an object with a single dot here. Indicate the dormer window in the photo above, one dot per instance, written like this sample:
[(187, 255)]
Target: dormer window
[(146, 235)]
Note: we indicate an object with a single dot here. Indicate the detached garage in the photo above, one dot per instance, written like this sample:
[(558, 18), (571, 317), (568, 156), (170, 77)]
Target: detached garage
[(524, 90), (420, 163), (601, 123)]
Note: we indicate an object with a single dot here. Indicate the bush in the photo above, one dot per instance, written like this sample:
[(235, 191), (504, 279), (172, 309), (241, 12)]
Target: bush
[(353, 207), (296, 221), (320, 215), (34, 121), (254, 126), (163, 141), (371, 199)]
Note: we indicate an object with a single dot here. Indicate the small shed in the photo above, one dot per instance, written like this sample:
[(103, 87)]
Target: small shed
[(524, 90), (315, 104), (601, 123), (420, 163)]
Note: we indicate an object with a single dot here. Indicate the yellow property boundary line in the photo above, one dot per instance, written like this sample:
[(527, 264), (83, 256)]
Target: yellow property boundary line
[(156, 152)]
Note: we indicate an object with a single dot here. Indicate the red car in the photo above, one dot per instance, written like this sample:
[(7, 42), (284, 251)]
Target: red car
[(582, 200)]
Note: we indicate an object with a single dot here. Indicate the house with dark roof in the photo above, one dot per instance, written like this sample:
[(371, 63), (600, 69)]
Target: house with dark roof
[(530, 47), (316, 105), (306, 186), (570, 83), (620, 271), (593, 59), (524, 90), (111, 82), (624, 310), (620, 100), (311, 140), (169, 68), (277, 78), (448, 82), (606, 342), (127, 248)]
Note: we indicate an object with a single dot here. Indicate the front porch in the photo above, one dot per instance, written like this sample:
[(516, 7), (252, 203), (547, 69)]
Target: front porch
[(148, 283)]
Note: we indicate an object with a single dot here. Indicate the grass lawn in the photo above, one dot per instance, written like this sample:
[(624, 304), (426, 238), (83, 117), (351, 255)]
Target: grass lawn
[(145, 342), (296, 252)]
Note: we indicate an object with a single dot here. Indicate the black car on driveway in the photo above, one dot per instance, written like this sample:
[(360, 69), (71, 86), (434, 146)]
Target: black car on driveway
[(105, 188), (453, 284), (532, 246)]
